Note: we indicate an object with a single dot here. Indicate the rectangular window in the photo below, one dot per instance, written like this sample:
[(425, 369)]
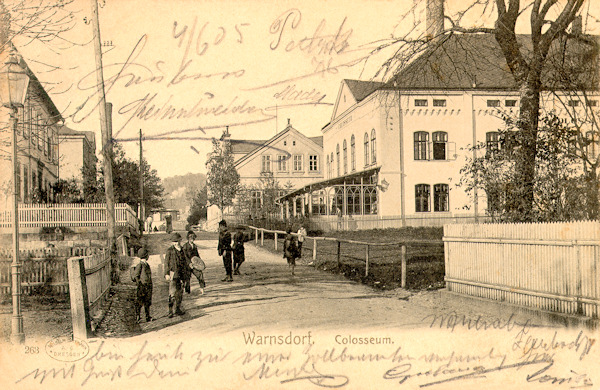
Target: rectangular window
[(421, 142), (492, 143), (440, 197), (439, 102), (266, 163), (573, 103), (493, 103), (313, 163), (440, 140), (38, 127), (510, 103), (422, 198), (281, 162), (592, 103), (255, 200), (420, 102), (298, 162)]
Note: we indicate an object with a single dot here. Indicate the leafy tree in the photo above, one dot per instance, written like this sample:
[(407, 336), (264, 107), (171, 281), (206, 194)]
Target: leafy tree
[(559, 173), (198, 206), (126, 176), (548, 37), (67, 191), (222, 178)]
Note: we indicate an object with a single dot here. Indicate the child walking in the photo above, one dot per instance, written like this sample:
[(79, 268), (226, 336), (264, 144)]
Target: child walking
[(143, 277), (290, 249)]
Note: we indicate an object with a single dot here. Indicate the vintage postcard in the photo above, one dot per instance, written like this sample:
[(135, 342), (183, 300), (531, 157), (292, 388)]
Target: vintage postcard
[(299, 194)]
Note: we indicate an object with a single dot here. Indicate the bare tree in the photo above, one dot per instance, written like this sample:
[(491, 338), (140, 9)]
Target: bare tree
[(527, 61)]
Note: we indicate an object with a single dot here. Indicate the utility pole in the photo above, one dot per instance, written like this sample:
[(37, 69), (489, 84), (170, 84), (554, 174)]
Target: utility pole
[(106, 142), (142, 214)]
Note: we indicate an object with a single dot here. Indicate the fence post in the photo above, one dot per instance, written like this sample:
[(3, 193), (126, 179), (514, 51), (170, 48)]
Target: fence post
[(262, 237), (256, 236), (367, 261), (403, 266), (80, 311), (314, 249), (275, 240), (339, 255)]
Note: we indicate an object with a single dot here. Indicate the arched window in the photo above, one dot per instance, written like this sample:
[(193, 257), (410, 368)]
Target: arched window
[(331, 165), (327, 164), (345, 147), (422, 197), (440, 140), (352, 153), (337, 153), (440, 197), (421, 141), (366, 149), (373, 148)]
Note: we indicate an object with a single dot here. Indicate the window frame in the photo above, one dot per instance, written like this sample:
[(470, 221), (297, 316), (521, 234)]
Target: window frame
[(441, 197), (337, 157), (439, 102), (436, 142), (266, 163), (313, 163), (421, 146), (345, 156), (366, 151), (352, 153), (373, 147), (421, 102), (298, 163), (493, 103), (422, 198)]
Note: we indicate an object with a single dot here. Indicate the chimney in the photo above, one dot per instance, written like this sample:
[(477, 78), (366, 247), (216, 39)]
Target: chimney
[(577, 25), (434, 16)]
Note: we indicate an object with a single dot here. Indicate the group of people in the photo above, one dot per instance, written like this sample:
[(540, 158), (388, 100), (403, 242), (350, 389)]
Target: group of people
[(183, 261)]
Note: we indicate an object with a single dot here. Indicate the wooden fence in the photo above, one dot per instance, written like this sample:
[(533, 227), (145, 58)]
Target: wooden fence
[(89, 283), (363, 255), (41, 268), (550, 266), (69, 215)]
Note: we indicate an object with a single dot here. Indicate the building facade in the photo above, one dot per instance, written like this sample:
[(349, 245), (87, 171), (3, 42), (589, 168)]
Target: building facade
[(394, 151), (37, 144), (77, 154)]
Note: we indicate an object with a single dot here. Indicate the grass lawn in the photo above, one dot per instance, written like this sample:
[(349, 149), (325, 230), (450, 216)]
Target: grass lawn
[(425, 263)]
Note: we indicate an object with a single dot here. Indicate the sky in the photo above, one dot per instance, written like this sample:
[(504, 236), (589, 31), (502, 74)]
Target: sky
[(183, 70)]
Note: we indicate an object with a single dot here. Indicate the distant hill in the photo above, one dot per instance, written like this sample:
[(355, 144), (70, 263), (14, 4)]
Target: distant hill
[(177, 189)]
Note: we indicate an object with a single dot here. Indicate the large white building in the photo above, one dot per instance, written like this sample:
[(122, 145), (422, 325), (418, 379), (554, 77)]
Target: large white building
[(393, 151), (77, 154)]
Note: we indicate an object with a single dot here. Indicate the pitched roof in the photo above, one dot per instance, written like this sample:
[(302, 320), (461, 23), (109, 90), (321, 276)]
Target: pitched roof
[(467, 61), (239, 146), (318, 140), (362, 89), (90, 135)]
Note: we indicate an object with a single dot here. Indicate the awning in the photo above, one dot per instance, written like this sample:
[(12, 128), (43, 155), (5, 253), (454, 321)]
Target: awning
[(319, 185)]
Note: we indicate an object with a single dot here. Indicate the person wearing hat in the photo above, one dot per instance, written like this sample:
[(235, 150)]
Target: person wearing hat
[(175, 273), (238, 249), (191, 250), (224, 249), (143, 278)]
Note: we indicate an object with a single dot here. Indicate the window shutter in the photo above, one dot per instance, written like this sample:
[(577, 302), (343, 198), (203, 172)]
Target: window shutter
[(451, 151)]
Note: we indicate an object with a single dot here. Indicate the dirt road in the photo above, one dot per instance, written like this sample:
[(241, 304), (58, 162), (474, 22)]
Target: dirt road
[(266, 296)]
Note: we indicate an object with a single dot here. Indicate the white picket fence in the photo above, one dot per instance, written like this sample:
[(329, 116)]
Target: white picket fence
[(550, 266), (69, 215)]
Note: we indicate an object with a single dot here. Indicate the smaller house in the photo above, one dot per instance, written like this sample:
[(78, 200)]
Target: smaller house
[(77, 153)]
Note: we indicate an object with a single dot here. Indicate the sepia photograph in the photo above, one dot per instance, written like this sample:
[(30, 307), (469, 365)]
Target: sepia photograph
[(299, 194)]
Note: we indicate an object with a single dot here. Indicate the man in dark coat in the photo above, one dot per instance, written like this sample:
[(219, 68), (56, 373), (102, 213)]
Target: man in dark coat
[(175, 272), (224, 249), (143, 278), (191, 250), (290, 249), (238, 250)]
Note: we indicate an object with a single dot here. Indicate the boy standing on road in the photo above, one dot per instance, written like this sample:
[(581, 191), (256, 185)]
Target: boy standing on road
[(238, 250), (191, 250), (143, 279), (175, 273), (290, 249), (224, 249)]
